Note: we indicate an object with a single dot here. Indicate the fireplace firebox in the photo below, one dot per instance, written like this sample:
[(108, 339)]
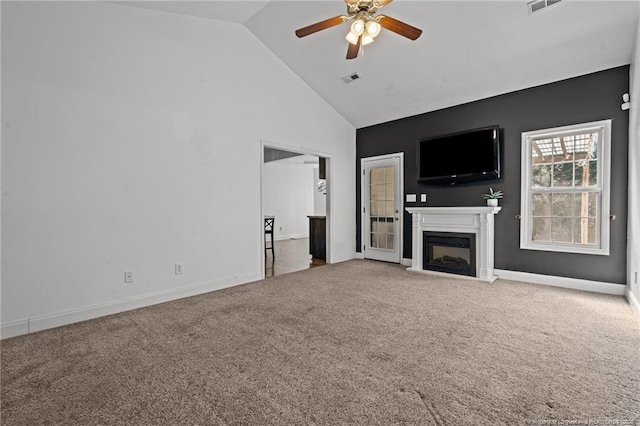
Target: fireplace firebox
[(450, 252)]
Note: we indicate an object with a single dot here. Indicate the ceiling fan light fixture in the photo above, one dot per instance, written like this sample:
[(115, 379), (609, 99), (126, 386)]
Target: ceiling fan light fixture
[(373, 28), (365, 24), (357, 27), (352, 38), (366, 39)]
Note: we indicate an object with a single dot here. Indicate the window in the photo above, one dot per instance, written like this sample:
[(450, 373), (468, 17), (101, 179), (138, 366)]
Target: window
[(565, 189)]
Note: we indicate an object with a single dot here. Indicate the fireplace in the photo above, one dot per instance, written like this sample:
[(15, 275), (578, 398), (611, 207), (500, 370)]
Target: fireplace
[(449, 252), (477, 221)]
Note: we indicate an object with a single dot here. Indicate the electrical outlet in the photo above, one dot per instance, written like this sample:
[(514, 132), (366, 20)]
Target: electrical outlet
[(178, 268), (128, 277), (423, 198)]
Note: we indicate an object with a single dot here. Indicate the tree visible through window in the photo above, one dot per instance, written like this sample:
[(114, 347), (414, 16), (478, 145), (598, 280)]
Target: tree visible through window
[(565, 187)]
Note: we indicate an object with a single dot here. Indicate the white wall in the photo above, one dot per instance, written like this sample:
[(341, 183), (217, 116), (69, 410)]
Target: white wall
[(633, 225), (0, 183), (131, 141), (288, 195)]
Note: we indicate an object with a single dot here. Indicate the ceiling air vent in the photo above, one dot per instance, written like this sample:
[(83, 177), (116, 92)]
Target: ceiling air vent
[(351, 77), (538, 5)]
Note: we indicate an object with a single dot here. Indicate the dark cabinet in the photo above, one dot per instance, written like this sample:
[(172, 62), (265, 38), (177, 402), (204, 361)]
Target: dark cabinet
[(318, 237), (323, 168)]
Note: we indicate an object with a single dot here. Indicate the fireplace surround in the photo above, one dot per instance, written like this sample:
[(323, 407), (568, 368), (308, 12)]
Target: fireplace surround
[(478, 221)]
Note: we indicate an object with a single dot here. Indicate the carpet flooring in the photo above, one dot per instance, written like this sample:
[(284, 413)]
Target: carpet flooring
[(359, 342)]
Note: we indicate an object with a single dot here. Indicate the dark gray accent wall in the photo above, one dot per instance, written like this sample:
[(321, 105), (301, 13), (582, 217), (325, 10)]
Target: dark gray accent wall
[(578, 100)]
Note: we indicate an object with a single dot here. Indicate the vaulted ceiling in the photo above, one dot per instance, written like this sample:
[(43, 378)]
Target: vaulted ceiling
[(469, 50)]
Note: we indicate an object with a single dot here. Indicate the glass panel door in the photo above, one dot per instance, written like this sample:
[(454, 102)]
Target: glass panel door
[(382, 209)]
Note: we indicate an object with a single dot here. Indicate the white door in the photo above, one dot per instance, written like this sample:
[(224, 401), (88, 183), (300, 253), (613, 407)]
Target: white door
[(382, 206)]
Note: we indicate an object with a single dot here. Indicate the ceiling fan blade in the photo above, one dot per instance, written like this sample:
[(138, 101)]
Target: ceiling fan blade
[(383, 3), (353, 49), (319, 26), (351, 2), (399, 27)]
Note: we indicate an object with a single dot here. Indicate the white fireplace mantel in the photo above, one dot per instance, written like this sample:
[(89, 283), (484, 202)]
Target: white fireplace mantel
[(472, 220)]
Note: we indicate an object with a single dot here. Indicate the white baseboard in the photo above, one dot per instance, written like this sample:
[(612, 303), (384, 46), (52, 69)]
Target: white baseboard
[(30, 325), (633, 301), (574, 283), (344, 258), (290, 237), (403, 261), (450, 275), (299, 236), (14, 328)]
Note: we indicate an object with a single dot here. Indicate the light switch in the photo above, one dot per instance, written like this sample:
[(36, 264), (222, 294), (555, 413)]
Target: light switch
[(423, 198), (411, 198)]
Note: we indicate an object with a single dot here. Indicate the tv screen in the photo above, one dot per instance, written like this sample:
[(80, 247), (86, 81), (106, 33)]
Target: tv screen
[(468, 156)]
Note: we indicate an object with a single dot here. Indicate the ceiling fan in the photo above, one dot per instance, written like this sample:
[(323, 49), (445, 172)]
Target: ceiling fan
[(366, 25)]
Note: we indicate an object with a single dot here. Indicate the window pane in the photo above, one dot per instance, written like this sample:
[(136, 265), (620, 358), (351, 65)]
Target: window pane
[(374, 240), (377, 176), (374, 225), (389, 174), (566, 148), (544, 150), (592, 223), (541, 229), (389, 191), (562, 204), (389, 211), (593, 172), (563, 174), (586, 146), (374, 192), (594, 147), (585, 204), (541, 176), (390, 227), (584, 230), (390, 241), (541, 205), (382, 241), (586, 173), (561, 230), (374, 208)]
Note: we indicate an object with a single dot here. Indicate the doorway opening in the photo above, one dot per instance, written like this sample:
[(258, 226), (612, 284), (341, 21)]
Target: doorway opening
[(295, 192)]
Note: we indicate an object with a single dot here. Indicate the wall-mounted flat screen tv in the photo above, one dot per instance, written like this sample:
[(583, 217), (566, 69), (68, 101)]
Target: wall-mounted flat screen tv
[(468, 156)]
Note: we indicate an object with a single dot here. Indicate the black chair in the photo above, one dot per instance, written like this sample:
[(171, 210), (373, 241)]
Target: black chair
[(269, 223)]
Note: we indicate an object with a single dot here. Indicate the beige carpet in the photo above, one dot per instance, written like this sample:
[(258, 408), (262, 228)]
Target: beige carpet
[(359, 342)]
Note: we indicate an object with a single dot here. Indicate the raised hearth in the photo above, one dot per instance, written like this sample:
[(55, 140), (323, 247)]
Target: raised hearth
[(477, 221)]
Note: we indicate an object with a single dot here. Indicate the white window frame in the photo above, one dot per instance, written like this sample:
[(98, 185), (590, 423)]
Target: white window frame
[(603, 187)]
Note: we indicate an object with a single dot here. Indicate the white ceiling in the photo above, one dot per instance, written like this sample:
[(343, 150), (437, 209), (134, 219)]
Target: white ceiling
[(469, 50), (238, 11)]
